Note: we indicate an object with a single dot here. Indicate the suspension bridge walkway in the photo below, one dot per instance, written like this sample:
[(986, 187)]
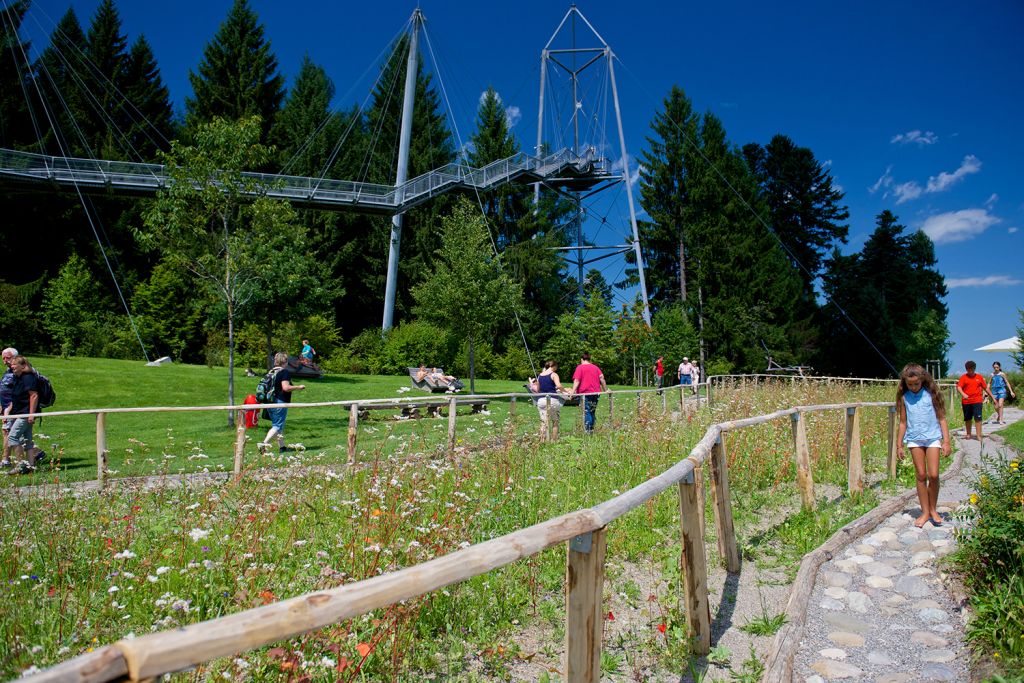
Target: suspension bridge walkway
[(563, 169)]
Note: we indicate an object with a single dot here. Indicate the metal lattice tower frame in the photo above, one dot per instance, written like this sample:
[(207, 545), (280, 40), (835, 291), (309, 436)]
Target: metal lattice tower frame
[(592, 55)]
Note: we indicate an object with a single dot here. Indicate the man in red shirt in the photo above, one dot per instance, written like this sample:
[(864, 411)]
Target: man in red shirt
[(588, 379), (972, 388), (659, 372)]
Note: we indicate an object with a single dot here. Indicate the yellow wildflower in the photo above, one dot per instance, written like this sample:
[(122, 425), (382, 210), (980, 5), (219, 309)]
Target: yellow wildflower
[(1015, 465), (974, 499)]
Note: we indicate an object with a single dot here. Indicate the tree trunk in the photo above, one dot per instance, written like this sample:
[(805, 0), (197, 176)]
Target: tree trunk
[(472, 366), (700, 330), (682, 270), (270, 346), (231, 361)]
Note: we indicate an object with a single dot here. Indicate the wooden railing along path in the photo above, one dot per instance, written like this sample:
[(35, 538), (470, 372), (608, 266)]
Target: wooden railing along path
[(583, 531)]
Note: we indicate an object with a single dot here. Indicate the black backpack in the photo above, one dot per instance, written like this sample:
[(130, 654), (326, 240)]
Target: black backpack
[(265, 389), (47, 396)]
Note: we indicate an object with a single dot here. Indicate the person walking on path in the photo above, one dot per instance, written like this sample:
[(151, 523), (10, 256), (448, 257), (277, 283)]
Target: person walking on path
[(1000, 390), (659, 373), (6, 391), (972, 388), (924, 429), (283, 389), (24, 401), (685, 372), (588, 380), (549, 385)]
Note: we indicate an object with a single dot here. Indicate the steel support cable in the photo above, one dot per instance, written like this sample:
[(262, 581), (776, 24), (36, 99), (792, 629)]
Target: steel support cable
[(760, 220), (60, 138), (95, 70), (337, 110), (23, 77), (479, 200), (371, 148), (123, 141), (92, 224)]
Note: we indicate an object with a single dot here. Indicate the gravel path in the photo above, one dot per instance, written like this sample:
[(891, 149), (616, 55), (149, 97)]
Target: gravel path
[(880, 611)]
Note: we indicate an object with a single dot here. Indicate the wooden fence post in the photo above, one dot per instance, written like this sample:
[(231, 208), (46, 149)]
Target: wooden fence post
[(694, 566), (101, 447), (804, 478), (664, 402), (353, 432), (722, 502), (709, 393), (638, 403), (584, 617), (854, 463), (890, 461), (681, 399), (452, 409), (547, 418), (611, 408), (512, 407), (239, 443)]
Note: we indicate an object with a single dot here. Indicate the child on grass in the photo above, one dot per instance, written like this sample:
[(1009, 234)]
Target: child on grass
[(924, 430)]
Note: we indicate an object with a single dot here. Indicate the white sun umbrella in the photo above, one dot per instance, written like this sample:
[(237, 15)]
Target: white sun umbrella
[(1004, 346)]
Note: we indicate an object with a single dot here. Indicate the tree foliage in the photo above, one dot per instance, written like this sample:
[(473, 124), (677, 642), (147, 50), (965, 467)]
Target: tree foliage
[(469, 295), (238, 75), (217, 222)]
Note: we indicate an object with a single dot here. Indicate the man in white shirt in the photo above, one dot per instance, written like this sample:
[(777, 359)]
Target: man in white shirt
[(685, 372)]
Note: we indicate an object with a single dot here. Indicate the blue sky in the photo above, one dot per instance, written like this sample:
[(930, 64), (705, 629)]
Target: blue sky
[(915, 105)]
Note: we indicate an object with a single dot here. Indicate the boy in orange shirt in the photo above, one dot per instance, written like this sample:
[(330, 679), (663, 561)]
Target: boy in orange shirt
[(972, 388)]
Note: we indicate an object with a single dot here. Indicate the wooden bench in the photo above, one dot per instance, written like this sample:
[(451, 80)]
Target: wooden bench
[(427, 384), (433, 408)]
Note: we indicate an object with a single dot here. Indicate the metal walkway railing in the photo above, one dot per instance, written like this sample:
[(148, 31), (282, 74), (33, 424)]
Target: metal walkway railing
[(332, 195)]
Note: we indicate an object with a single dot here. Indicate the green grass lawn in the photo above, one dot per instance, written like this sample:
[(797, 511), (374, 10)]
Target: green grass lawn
[(150, 443)]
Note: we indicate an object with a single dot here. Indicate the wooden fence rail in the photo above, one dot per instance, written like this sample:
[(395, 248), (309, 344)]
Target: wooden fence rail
[(583, 531)]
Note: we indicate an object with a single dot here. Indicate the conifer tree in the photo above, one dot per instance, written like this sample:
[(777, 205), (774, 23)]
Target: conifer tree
[(103, 71), (15, 122), (806, 210), (238, 74), (745, 286), (664, 195), (892, 291), (150, 115), (60, 88)]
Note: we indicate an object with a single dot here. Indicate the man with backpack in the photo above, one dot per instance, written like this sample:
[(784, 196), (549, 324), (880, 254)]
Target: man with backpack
[(276, 387), (24, 401)]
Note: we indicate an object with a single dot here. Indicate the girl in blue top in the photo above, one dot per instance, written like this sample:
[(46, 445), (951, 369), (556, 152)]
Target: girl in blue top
[(1001, 388), (924, 430)]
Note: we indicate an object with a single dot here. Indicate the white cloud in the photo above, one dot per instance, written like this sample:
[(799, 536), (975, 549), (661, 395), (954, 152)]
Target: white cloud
[(634, 175), (512, 115), (915, 136), (991, 201), (958, 226), (884, 181), (1012, 230), (988, 281), (907, 191), (944, 181)]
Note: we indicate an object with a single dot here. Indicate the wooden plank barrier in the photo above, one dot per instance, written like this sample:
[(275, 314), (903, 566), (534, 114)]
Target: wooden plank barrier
[(584, 617), (694, 567), (804, 478), (890, 460), (722, 503), (452, 410), (353, 431), (101, 447), (854, 463)]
